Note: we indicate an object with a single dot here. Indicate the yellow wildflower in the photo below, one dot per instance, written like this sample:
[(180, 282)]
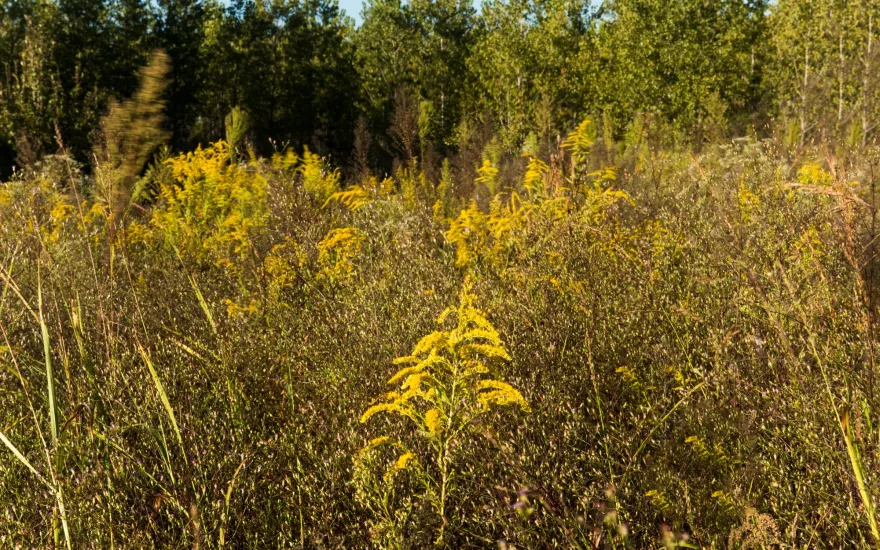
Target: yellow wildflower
[(403, 460), (432, 420), (390, 407)]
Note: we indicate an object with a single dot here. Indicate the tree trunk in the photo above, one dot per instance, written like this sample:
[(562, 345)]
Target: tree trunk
[(803, 114), (840, 70), (866, 80)]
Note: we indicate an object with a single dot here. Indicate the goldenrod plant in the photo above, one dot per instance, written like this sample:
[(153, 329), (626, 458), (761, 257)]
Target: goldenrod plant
[(445, 387), (337, 253), (487, 174), (533, 181), (318, 179), (212, 208)]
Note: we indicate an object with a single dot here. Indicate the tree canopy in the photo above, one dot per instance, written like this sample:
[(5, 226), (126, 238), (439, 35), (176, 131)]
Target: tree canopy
[(304, 74)]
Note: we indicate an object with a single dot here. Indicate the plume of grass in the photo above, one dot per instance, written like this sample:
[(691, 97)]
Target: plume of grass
[(131, 131)]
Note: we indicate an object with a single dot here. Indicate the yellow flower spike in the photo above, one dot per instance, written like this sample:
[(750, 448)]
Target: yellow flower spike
[(445, 315), (402, 373), (813, 174), (533, 181), (491, 335), (414, 381), (487, 174), (407, 395), (353, 198), (487, 351), (434, 341), (425, 363), (377, 441), (381, 407), (403, 460), (337, 252), (444, 389), (432, 420), (319, 180), (501, 393)]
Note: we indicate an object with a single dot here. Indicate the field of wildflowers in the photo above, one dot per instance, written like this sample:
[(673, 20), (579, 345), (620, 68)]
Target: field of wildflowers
[(609, 346)]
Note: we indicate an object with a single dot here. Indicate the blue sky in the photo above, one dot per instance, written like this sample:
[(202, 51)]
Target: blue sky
[(352, 9)]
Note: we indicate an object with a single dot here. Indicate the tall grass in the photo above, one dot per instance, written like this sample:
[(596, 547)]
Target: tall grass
[(693, 333)]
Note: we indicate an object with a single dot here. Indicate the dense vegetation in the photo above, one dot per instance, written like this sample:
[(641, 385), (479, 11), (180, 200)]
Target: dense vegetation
[(419, 77), (550, 275)]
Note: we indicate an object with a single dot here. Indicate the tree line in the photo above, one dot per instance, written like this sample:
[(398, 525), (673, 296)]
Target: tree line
[(418, 78)]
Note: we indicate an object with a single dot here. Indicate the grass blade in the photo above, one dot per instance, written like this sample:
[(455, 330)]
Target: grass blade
[(21, 458), (50, 379), (162, 395), (855, 459), (199, 296), (224, 518)]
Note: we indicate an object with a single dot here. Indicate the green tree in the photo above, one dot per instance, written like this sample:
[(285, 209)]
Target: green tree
[(534, 66), (289, 64), (423, 47), (30, 91), (385, 47), (446, 36), (676, 57), (179, 33), (865, 20), (804, 50), (132, 37), (501, 67), (83, 54)]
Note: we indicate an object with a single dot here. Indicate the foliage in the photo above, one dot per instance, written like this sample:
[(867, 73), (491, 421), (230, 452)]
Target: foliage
[(686, 286), (212, 208), (446, 387), (701, 71)]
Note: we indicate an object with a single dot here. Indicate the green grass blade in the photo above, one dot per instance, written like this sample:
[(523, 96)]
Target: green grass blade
[(50, 378), (162, 395), (63, 516), (203, 303), (224, 518), (855, 459), (199, 296), (21, 458)]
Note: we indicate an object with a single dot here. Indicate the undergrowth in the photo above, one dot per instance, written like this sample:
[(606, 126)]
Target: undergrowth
[(667, 350)]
